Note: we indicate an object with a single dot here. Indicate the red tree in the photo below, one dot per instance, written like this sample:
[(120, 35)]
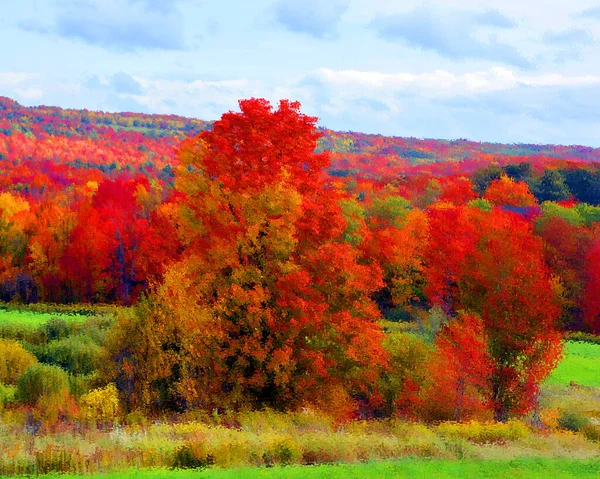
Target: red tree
[(492, 264), (268, 306)]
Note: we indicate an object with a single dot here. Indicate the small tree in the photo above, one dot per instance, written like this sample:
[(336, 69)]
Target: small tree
[(459, 371)]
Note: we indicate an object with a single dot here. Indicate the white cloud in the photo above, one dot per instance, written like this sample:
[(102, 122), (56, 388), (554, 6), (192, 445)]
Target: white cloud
[(441, 83), (201, 99), (32, 93), (437, 83), (560, 80), (16, 78)]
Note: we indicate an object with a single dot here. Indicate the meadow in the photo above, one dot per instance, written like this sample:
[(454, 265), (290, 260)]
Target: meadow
[(32, 319), (580, 365), (307, 443), (407, 468)]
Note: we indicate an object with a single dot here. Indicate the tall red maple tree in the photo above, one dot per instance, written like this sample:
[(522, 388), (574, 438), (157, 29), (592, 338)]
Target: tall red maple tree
[(269, 306)]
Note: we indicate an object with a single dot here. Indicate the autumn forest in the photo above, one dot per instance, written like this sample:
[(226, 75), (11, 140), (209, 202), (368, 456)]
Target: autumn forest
[(208, 272)]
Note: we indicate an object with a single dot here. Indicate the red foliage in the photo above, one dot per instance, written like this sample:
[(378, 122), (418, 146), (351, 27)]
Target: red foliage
[(492, 264), (592, 289), (460, 371)]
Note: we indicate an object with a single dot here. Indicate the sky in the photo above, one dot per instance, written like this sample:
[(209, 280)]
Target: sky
[(514, 71)]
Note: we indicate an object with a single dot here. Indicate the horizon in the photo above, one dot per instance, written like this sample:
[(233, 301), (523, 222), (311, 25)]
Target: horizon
[(517, 73), (321, 127)]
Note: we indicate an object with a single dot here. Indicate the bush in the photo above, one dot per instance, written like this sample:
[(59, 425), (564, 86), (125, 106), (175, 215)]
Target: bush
[(591, 432), (407, 353), (7, 394), (582, 337), (483, 433), (42, 381), (54, 459), (56, 329), (282, 451), (192, 456), (14, 361), (80, 385), (573, 421), (76, 354), (100, 404)]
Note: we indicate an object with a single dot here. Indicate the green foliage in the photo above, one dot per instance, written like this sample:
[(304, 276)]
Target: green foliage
[(589, 213), (583, 184), (82, 384), (407, 353), (572, 420), (42, 381), (282, 451), (75, 354), (481, 203), (7, 395), (591, 432), (56, 329), (392, 209), (354, 214), (520, 172), (192, 456), (483, 177), (581, 337), (551, 209), (551, 187)]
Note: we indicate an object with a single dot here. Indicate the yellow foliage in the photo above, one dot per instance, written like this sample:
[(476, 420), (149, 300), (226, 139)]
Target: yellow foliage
[(481, 432), (92, 186), (11, 205), (100, 404), (14, 361)]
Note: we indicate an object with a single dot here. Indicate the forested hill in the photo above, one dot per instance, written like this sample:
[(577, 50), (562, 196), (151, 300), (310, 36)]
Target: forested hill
[(50, 141)]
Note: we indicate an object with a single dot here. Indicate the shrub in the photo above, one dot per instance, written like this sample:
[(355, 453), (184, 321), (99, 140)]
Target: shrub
[(192, 456), (573, 421), (580, 336), (282, 451), (591, 432), (75, 354), (100, 404), (54, 459), (41, 381), (482, 433), (83, 384), (7, 394), (399, 384), (14, 361), (56, 329)]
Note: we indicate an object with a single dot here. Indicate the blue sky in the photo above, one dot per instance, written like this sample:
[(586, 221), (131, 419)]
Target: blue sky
[(511, 71)]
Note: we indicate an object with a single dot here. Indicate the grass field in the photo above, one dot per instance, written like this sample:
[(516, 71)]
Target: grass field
[(581, 365), (407, 468), (30, 319)]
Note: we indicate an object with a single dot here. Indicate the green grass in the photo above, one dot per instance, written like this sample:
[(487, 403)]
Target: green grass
[(581, 365), (30, 319), (406, 468)]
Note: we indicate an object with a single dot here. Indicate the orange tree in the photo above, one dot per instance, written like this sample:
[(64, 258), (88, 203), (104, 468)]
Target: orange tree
[(269, 306)]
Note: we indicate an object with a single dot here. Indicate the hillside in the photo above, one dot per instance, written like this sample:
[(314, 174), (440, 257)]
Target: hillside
[(48, 143)]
